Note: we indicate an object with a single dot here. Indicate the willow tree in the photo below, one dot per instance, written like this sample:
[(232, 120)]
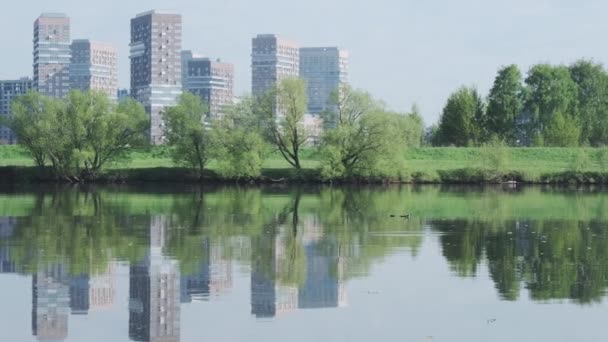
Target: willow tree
[(366, 139), (190, 142), (79, 135), (286, 127)]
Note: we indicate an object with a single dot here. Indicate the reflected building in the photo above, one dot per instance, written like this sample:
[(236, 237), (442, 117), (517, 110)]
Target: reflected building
[(91, 292), (154, 292), (50, 303), (324, 269), (101, 290), (270, 298), (213, 278), (7, 226), (79, 294)]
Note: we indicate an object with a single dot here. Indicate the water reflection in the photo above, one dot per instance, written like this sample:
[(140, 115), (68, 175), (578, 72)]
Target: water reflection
[(301, 247)]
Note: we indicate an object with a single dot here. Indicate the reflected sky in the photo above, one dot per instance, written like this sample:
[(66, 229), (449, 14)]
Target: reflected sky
[(275, 264)]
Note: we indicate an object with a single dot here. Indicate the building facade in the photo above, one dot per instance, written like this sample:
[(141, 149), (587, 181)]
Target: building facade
[(122, 95), (8, 91), (211, 80), (273, 59), (52, 54), (324, 69), (156, 75), (94, 67)]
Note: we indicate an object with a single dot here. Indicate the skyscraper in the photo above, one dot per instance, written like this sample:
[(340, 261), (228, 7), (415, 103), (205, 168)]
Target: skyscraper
[(273, 59), (324, 69), (8, 91), (52, 54), (94, 67), (156, 75), (211, 80)]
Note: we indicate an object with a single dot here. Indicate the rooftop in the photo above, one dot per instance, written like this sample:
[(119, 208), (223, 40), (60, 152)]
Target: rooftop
[(53, 15), (151, 12)]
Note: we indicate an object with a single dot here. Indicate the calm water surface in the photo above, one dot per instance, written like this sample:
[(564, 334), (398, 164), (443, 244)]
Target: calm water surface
[(309, 264)]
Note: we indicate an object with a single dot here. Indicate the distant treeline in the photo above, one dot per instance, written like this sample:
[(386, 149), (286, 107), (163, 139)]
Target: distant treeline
[(554, 105)]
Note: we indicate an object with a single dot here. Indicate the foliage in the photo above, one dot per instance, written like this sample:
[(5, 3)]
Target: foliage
[(79, 135), (592, 82), (32, 122), (495, 156), (186, 134), (535, 112), (603, 158), (366, 141), (505, 103), (286, 126), (240, 151), (550, 90), (461, 123), (581, 162), (561, 131)]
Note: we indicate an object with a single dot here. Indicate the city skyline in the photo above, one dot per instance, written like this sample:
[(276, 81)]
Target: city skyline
[(431, 49)]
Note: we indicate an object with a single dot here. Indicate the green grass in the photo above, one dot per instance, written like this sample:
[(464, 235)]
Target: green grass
[(424, 164)]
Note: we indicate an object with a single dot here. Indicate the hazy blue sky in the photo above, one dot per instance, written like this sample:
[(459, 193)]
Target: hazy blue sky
[(402, 51)]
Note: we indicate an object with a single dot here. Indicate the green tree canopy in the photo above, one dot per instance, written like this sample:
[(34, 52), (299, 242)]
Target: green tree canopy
[(286, 131), (459, 123), (505, 104), (367, 140), (190, 142), (79, 135), (592, 82), (550, 89)]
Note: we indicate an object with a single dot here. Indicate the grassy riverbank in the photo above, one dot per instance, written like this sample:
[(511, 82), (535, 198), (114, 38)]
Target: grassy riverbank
[(423, 165)]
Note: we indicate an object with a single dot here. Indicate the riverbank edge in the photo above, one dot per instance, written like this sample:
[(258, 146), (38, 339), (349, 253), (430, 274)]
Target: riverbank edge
[(33, 175)]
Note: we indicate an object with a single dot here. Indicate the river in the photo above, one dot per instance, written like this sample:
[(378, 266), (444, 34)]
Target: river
[(183, 263)]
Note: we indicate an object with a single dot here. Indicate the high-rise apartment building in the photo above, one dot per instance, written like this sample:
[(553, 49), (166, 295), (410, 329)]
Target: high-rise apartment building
[(8, 91), (211, 80), (324, 69), (52, 54), (122, 95), (94, 67), (156, 75), (273, 58)]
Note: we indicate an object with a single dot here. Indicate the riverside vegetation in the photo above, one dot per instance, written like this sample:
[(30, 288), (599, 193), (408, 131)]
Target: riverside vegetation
[(87, 138)]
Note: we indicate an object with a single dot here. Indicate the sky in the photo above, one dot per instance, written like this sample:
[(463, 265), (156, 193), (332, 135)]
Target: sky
[(404, 52)]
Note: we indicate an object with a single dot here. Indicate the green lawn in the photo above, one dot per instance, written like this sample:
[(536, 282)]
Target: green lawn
[(531, 161)]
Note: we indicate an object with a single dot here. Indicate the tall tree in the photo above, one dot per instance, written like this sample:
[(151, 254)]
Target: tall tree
[(549, 89), (366, 140), (240, 145), (462, 119), (286, 131), (505, 104), (32, 121), (592, 82), (190, 142), (79, 135)]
